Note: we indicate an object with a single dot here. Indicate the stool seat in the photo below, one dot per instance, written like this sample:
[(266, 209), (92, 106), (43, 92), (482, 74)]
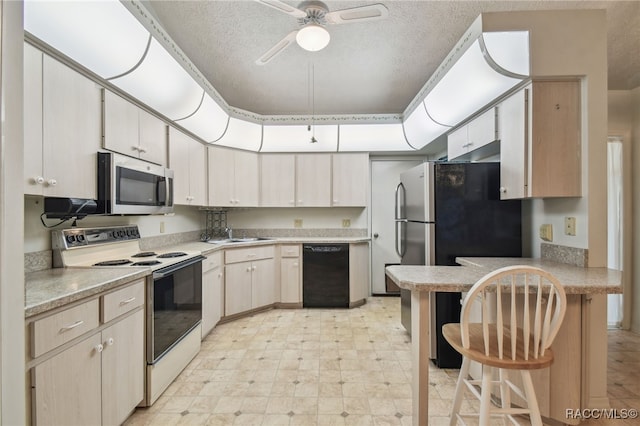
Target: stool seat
[(476, 352)]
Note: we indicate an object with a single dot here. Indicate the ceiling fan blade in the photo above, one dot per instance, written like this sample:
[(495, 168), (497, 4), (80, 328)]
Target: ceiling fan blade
[(279, 47), (283, 7), (358, 14)]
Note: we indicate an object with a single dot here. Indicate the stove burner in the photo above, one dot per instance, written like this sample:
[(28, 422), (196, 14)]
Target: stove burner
[(144, 254), (116, 262), (146, 263), (172, 254)]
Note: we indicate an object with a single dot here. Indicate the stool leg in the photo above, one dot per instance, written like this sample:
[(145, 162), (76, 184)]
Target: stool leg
[(532, 401), (505, 390), (485, 394), (457, 399)]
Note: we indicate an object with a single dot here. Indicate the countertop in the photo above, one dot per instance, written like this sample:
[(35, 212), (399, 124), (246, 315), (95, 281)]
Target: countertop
[(575, 280), (52, 288)]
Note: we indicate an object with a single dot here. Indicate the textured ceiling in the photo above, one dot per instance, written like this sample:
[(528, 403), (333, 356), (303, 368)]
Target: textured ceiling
[(374, 67)]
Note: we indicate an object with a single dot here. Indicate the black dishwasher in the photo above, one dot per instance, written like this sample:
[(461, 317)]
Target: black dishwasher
[(325, 276)]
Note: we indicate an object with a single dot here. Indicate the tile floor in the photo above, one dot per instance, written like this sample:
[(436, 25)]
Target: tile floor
[(329, 367)]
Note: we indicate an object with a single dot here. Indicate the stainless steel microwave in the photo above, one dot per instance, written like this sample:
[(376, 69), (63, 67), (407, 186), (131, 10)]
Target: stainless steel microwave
[(130, 186)]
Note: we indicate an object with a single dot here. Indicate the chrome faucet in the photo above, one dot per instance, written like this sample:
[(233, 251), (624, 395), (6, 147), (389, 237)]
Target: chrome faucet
[(229, 232)]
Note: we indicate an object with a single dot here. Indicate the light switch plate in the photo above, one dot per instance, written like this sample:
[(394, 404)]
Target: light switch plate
[(570, 225), (346, 223), (546, 232)]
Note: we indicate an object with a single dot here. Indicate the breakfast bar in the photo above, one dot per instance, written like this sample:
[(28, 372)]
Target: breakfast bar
[(576, 379)]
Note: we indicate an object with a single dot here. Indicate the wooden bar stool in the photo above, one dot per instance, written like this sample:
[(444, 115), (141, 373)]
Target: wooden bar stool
[(514, 335)]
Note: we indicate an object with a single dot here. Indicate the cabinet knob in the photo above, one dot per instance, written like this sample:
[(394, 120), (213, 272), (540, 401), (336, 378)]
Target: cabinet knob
[(503, 190), (376, 235), (39, 180), (299, 201), (110, 341), (292, 201), (295, 264), (335, 201), (135, 148), (249, 269), (98, 347), (220, 275), (253, 268), (52, 182), (142, 149)]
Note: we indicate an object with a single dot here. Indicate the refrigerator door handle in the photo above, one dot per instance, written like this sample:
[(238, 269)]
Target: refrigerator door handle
[(404, 193), (400, 249)]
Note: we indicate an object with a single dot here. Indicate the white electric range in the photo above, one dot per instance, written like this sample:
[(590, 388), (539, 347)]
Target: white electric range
[(173, 293)]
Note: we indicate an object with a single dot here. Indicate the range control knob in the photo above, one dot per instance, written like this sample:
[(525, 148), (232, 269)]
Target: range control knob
[(80, 238), (71, 239)]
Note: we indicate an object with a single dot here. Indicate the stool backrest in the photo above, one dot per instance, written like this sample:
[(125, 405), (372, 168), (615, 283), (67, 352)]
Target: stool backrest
[(530, 298)]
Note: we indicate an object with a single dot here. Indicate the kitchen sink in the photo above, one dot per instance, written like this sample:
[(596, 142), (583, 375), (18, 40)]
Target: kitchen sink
[(238, 240)]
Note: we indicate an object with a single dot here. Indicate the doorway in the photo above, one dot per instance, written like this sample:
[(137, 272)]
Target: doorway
[(385, 176)]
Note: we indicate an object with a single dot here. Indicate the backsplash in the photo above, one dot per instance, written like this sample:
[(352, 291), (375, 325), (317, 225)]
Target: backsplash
[(302, 232), (563, 254)]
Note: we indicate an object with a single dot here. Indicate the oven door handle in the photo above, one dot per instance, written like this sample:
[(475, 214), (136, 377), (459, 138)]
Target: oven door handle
[(161, 273)]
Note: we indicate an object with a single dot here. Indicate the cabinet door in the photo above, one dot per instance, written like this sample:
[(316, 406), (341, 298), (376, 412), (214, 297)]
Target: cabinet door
[(72, 129), (359, 282), (221, 177), (120, 125), (123, 365), (313, 180), (264, 283), (246, 179), (197, 173), (482, 130), (237, 288), (212, 297), (290, 280), (277, 180), (33, 179), (555, 153), (67, 389), (179, 163), (457, 143), (350, 180), (152, 134), (513, 146)]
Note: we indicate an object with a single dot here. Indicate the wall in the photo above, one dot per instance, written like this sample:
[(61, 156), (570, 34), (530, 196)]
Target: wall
[(37, 237), (561, 45), (635, 296), (312, 218), (12, 332)]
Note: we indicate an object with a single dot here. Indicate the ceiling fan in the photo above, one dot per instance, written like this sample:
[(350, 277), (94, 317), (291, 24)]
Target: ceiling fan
[(313, 16)]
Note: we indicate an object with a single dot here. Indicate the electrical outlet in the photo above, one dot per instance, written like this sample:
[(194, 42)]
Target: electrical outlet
[(162, 227), (346, 223), (570, 226), (546, 232), (297, 223)]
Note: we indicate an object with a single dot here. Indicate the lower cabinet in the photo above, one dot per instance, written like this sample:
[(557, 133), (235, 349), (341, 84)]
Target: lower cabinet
[(212, 292), (98, 380), (250, 279), (290, 275), (359, 280)]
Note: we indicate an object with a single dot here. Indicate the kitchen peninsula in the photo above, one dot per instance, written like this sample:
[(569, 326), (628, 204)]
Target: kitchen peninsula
[(576, 379)]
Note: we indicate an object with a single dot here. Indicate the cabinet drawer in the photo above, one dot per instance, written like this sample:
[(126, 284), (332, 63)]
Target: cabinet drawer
[(290, 250), (212, 261), (122, 301), (55, 330), (248, 254)]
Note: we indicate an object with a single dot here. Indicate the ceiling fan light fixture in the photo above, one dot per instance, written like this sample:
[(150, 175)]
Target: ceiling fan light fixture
[(313, 37)]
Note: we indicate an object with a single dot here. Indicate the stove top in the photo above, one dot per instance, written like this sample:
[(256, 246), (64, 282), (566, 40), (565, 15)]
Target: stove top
[(109, 247)]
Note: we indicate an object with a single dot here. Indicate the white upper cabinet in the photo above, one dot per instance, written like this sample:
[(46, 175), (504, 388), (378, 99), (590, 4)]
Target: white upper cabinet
[(277, 180), (188, 160), (132, 131), (62, 129), (313, 180), (474, 140), (350, 177), (233, 178)]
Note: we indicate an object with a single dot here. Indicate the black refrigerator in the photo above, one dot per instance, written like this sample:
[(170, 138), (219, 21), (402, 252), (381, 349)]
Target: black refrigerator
[(449, 210)]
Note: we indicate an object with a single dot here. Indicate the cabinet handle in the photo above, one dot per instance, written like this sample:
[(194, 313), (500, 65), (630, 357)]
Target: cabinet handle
[(135, 148), (52, 182), (72, 326), (109, 341), (503, 190), (142, 149), (98, 347), (39, 180), (126, 302)]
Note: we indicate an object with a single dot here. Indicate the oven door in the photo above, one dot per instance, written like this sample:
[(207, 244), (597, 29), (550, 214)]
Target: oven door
[(174, 307)]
